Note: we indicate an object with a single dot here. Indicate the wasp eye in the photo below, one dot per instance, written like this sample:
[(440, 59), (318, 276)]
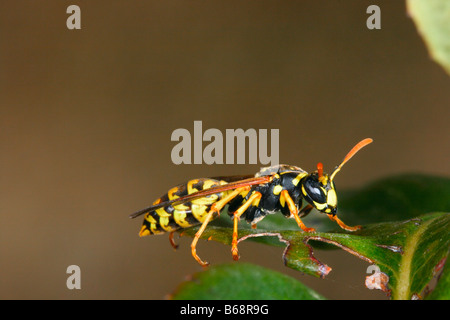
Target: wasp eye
[(316, 193)]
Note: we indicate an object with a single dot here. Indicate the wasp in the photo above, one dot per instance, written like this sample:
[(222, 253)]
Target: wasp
[(280, 188)]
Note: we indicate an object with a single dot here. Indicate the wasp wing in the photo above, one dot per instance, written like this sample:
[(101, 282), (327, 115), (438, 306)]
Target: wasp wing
[(203, 193), (279, 168), (233, 178)]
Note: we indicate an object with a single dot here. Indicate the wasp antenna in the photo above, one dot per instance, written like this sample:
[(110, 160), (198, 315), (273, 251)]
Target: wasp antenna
[(349, 155), (320, 169)]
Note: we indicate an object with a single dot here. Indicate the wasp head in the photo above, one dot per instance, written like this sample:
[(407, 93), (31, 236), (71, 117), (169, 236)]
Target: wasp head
[(319, 190)]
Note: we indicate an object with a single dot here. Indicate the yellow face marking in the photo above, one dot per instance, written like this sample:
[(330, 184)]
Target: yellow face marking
[(320, 206), (277, 189), (332, 198)]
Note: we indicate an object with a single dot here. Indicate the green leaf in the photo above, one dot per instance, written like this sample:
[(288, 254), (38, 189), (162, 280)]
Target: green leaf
[(432, 18), (442, 289), (396, 198), (406, 251), (243, 281)]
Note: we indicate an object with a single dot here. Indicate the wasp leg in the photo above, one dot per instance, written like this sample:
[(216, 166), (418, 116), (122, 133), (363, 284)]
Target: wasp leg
[(305, 211), (294, 211), (216, 207), (237, 214), (342, 224), (172, 241), (254, 226)]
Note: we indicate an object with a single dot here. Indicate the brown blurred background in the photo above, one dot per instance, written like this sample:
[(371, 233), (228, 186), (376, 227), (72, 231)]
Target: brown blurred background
[(86, 118)]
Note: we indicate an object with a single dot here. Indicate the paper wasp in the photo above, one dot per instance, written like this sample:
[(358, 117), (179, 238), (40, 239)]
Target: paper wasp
[(280, 188)]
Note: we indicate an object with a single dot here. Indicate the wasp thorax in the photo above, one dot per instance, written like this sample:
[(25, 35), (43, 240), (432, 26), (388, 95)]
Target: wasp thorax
[(320, 192)]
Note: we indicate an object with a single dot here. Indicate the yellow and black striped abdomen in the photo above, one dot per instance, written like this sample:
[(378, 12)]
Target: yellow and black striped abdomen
[(187, 214)]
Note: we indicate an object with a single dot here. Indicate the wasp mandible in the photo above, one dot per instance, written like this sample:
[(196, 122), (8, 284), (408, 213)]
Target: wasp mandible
[(280, 188)]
